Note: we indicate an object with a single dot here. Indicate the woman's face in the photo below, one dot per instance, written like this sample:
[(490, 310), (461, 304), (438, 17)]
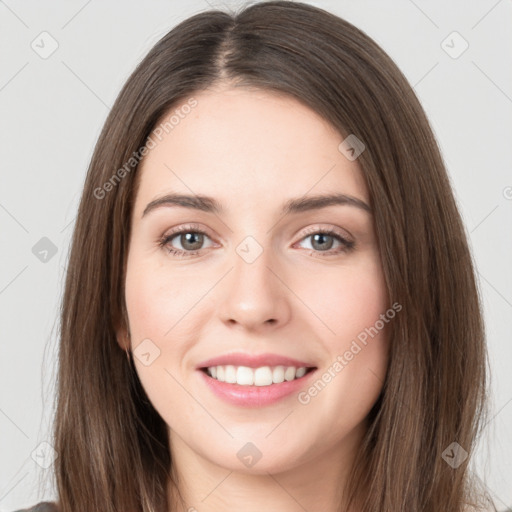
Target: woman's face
[(254, 279)]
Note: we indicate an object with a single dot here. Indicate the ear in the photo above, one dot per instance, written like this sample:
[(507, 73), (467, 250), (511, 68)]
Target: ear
[(122, 332), (123, 338)]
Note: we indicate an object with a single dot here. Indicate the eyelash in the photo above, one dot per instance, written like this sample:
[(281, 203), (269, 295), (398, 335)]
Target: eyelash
[(348, 245)]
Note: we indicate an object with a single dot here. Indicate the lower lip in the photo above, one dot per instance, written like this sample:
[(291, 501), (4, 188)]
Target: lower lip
[(254, 396)]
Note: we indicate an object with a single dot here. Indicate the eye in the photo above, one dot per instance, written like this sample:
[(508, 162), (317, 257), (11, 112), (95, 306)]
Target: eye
[(323, 240), (191, 239)]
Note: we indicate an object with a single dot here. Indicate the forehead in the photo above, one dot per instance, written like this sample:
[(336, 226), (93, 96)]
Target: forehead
[(246, 145)]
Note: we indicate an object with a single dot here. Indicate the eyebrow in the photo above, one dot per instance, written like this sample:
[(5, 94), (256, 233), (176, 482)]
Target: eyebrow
[(301, 204)]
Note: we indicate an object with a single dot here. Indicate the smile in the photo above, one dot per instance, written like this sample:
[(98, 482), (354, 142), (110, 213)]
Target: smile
[(262, 376), (255, 387)]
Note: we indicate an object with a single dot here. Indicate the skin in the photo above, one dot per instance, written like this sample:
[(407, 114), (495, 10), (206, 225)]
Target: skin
[(253, 150)]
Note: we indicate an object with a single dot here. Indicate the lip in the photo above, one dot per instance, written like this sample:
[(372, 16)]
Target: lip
[(255, 396), (253, 361)]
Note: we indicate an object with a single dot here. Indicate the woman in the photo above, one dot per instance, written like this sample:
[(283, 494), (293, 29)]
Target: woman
[(255, 368)]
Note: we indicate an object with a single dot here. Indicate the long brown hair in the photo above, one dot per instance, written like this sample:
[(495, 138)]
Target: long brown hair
[(112, 444)]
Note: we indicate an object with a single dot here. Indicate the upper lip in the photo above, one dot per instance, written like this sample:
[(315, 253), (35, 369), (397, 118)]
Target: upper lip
[(253, 361)]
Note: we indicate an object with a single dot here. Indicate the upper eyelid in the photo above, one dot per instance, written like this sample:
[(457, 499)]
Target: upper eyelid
[(186, 227), (338, 231)]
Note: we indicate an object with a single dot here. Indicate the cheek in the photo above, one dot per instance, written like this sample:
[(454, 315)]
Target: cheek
[(347, 300), (156, 299), (157, 304), (148, 303), (355, 336)]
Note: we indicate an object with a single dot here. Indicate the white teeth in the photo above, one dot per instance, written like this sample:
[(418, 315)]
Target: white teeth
[(263, 376), (230, 374), (278, 375), (300, 372), (289, 374), (244, 376)]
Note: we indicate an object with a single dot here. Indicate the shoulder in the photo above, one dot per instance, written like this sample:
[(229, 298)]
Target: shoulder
[(43, 506)]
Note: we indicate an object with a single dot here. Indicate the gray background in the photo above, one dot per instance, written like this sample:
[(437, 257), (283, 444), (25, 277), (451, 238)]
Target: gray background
[(52, 110)]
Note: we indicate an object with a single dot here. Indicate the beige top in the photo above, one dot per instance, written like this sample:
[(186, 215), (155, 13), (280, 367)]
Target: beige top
[(43, 506)]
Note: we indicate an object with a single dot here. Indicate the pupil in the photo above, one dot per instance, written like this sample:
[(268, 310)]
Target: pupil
[(188, 238), (321, 236)]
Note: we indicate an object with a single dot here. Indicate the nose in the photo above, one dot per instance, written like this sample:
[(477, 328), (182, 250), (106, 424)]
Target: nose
[(254, 295)]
